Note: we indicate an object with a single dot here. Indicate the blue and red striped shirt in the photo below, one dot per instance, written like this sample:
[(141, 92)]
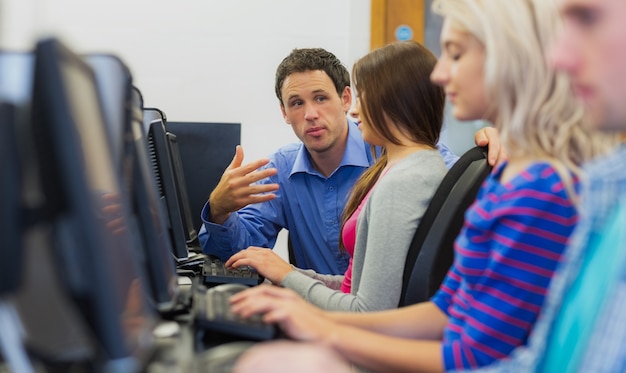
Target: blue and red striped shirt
[(513, 238)]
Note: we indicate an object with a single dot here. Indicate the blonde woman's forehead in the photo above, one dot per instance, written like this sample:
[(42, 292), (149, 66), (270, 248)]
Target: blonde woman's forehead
[(455, 37)]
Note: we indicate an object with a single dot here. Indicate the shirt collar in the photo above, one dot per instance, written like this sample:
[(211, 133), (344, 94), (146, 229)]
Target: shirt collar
[(357, 153)]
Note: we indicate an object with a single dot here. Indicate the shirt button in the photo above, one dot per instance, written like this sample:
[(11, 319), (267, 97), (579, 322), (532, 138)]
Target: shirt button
[(331, 189)]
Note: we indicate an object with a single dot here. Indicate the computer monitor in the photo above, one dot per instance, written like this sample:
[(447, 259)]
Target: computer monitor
[(206, 150), (87, 209), (191, 234), (151, 217), (12, 350), (123, 111), (115, 83), (16, 72), (23, 270), (10, 200), (154, 124)]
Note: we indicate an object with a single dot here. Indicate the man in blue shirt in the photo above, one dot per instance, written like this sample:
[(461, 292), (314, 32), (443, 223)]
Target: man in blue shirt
[(302, 187)]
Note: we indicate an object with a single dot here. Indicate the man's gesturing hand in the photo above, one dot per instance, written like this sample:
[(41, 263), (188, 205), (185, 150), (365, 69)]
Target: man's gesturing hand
[(235, 191)]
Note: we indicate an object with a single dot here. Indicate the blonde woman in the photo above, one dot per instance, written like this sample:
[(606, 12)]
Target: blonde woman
[(494, 67)]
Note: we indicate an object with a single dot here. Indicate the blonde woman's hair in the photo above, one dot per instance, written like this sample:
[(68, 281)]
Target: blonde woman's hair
[(535, 110)]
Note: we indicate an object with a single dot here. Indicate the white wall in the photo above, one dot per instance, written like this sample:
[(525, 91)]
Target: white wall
[(200, 60)]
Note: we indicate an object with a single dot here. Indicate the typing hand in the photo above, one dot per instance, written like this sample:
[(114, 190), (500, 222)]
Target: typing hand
[(297, 318), (234, 190), (265, 261)]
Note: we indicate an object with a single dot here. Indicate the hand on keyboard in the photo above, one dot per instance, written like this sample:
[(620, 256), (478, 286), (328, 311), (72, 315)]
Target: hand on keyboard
[(215, 271), (212, 312), (269, 264)]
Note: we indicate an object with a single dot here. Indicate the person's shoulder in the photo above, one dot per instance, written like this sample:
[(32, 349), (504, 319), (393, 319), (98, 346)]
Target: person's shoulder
[(423, 168), (425, 162), (537, 181), (543, 173)]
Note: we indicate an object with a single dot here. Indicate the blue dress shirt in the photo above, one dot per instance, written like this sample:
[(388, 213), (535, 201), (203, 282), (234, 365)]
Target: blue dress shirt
[(307, 204)]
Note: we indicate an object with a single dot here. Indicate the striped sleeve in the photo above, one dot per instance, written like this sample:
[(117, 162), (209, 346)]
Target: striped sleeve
[(506, 256)]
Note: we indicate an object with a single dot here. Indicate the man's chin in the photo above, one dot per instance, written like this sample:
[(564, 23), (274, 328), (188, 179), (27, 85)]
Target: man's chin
[(318, 146)]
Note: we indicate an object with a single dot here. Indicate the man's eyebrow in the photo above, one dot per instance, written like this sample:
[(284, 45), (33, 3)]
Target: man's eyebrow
[(292, 96), (315, 92), (318, 91)]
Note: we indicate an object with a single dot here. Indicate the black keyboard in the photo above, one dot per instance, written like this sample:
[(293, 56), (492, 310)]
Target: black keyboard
[(214, 271), (212, 313)]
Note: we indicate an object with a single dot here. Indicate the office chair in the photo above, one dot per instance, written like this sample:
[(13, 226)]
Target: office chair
[(432, 249)]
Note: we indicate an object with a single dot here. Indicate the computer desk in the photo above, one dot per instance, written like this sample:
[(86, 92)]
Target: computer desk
[(175, 353), (194, 351)]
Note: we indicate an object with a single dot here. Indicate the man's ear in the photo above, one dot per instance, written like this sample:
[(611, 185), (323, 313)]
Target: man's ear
[(282, 110), (346, 99)]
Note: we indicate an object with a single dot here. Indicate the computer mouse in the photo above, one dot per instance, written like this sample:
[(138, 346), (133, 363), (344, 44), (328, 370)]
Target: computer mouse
[(166, 329)]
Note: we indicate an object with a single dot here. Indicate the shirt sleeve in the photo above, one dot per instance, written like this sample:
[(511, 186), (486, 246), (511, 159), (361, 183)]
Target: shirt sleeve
[(518, 239), (443, 297), (449, 158), (330, 281), (253, 225)]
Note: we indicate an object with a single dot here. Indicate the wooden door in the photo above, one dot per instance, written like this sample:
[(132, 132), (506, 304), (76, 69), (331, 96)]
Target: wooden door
[(396, 20)]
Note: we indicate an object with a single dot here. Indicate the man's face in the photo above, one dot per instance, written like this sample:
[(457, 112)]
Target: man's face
[(315, 111), (592, 50)]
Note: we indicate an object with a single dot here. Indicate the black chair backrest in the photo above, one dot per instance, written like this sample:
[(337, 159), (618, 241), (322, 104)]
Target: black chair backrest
[(432, 250)]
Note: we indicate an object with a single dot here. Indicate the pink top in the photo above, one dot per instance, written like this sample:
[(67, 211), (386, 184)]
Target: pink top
[(349, 238)]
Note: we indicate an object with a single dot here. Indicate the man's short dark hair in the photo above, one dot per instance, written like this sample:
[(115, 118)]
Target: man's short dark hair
[(311, 59)]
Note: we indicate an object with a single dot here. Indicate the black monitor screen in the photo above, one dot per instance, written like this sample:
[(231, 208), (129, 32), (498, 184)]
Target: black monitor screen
[(115, 85), (161, 161), (151, 218), (191, 234), (123, 111), (10, 212), (16, 73), (86, 203), (206, 149)]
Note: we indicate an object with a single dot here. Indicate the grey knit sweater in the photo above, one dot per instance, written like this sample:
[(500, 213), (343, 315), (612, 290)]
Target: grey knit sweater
[(384, 232)]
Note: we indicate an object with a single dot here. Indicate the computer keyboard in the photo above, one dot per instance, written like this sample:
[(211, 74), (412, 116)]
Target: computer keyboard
[(212, 312), (214, 271)]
